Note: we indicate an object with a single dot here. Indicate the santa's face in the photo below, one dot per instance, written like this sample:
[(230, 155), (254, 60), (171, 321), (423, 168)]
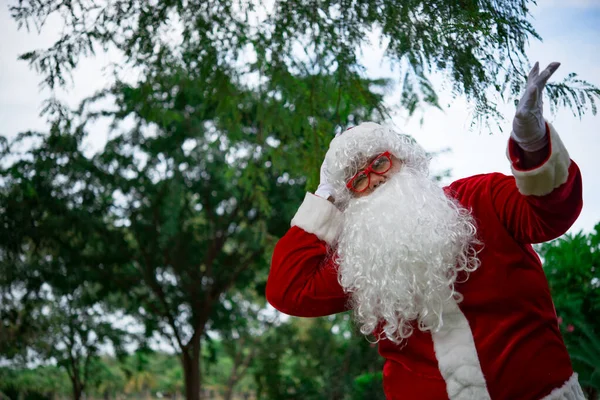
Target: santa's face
[(402, 245)]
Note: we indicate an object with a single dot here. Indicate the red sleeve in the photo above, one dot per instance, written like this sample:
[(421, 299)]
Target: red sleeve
[(303, 279), (534, 205), (536, 219)]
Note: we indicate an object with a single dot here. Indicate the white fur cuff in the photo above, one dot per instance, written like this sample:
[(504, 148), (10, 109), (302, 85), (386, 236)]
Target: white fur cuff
[(319, 217), (571, 390), (551, 174)]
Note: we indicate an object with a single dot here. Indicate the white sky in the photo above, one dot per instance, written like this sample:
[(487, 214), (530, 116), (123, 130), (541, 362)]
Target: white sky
[(571, 32)]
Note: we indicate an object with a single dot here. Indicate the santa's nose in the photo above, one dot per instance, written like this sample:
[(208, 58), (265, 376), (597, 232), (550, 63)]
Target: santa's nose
[(376, 180)]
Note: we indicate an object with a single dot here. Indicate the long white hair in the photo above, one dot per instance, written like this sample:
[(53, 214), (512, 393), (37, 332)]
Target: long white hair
[(350, 150)]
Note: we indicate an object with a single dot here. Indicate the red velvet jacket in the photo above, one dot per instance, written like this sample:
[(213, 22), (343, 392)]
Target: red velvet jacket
[(502, 340)]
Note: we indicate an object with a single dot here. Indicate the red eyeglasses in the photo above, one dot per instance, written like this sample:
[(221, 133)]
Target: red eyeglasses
[(361, 181)]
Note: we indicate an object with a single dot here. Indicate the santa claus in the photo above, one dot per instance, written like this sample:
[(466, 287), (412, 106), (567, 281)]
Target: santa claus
[(445, 279)]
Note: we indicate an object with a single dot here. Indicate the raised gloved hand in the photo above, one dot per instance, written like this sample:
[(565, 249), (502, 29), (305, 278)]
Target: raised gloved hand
[(529, 127), (325, 189)]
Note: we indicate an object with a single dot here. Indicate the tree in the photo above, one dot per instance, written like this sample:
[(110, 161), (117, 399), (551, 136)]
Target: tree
[(240, 345), (186, 203), (571, 265), (202, 207), (70, 330), (77, 331), (54, 302)]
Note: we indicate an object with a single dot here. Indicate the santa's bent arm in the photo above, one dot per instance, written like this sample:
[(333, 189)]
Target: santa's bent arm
[(539, 203), (303, 278)]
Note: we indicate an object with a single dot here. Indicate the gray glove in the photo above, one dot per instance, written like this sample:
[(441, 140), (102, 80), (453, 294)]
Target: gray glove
[(325, 189), (529, 126)]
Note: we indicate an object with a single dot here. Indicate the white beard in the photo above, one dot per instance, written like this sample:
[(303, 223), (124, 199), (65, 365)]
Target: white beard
[(400, 251)]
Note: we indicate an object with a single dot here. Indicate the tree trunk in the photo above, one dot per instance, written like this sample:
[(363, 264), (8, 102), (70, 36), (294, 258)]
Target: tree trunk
[(190, 358), (77, 391), (76, 386)]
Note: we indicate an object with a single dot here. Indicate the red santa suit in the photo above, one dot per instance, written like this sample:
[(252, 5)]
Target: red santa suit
[(502, 342)]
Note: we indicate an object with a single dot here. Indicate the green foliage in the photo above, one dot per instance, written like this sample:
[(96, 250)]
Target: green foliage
[(139, 374), (574, 94), (315, 359), (37, 383), (368, 386), (571, 265), (478, 47), (584, 349), (107, 378)]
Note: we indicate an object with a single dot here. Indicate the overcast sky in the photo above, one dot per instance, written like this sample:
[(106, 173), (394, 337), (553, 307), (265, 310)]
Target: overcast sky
[(571, 33)]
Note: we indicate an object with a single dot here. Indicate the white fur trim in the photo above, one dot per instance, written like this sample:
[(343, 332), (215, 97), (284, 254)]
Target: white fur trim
[(320, 217), (544, 179), (571, 390), (457, 357)]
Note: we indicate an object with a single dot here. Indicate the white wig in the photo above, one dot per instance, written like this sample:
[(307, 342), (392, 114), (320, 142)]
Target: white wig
[(351, 149)]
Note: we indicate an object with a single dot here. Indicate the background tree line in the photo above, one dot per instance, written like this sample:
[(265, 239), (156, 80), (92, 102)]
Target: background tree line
[(165, 233), (322, 358)]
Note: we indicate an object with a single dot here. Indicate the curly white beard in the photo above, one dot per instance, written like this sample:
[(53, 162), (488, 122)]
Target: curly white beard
[(400, 252)]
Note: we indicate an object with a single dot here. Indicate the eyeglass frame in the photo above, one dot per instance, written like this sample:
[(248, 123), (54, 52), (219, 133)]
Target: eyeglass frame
[(368, 171)]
